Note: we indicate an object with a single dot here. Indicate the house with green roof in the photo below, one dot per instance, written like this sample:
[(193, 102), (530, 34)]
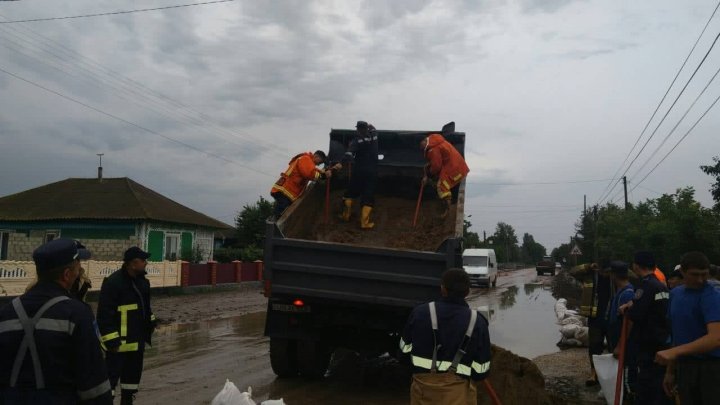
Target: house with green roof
[(108, 216)]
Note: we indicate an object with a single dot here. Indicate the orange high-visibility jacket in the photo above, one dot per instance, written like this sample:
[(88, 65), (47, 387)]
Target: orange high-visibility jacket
[(292, 181), (445, 161), (660, 276)]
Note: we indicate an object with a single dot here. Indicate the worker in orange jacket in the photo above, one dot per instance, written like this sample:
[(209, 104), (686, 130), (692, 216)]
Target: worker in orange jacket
[(447, 165), (301, 169)]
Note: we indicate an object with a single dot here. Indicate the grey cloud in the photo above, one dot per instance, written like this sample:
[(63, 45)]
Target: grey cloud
[(380, 14), (544, 6)]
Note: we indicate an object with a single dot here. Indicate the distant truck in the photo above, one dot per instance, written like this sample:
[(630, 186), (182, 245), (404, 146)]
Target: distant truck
[(333, 285), (481, 266), (546, 265)]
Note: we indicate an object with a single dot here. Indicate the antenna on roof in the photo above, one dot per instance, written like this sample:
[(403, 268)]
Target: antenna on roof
[(100, 167)]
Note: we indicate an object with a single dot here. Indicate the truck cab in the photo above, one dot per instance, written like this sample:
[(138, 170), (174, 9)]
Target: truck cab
[(481, 266)]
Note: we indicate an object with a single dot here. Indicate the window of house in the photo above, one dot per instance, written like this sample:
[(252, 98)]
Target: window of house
[(172, 246), (4, 240), (51, 235)]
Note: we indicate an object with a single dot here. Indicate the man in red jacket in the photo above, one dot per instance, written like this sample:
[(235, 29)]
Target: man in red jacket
[(447, 165)]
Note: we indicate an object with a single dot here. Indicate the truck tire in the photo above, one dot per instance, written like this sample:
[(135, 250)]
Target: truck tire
[(283, 357), (494, 283), (313, 358)]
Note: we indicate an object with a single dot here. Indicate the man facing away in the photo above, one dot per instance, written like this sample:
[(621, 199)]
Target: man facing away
[(302, 169), (363, 155), (49, 347), (649, 329), (449, 346), (447, 165), (126, 322), (693, 363)]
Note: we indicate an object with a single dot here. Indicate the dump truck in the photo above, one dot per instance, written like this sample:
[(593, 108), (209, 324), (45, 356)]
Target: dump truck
[(546, 265), (333, 285)]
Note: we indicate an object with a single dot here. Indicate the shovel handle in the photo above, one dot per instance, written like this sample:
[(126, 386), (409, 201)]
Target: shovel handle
[(327, 200), (621, 360), (493, 395), (417, 206)]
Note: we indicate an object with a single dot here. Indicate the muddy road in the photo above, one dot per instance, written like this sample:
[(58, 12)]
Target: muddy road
[(190, 362)]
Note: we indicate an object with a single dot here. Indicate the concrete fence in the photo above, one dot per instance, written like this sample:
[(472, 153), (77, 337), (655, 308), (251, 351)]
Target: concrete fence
[(15, 276)]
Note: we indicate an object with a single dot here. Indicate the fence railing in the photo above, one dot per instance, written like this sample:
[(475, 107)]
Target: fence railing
[(15, 276)]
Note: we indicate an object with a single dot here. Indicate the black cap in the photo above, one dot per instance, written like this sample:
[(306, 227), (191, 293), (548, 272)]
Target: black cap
[(135, 253), (644, 259), (675, 274), (618, 267), (361, 124), (59, 252)]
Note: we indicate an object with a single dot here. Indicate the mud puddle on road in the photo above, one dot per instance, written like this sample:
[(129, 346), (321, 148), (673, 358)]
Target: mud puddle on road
[(522, 316), (174, 341)]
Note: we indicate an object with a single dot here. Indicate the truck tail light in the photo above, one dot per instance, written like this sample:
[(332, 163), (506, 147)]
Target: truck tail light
[(267, 290), (298, 303)]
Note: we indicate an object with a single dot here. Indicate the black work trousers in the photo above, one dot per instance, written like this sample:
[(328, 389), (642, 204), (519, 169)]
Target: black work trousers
[(650, 380), (127, 368), (363, 183), (698, 380), (282, 202)]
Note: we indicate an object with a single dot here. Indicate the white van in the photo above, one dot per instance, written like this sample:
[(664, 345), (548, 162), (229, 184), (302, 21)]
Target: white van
[(481, 266)]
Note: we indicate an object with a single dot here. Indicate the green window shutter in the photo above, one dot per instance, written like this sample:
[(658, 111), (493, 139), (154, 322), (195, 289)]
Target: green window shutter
[(156, 240), (186, 245)]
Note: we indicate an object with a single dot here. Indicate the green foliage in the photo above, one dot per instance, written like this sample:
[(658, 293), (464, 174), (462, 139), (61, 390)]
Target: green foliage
[(227, 255), (471, 239), (251, 253), (714, 171), (669, 226), (250, 222), (193, 254), (562, 253), (531, 251), (504, 241)]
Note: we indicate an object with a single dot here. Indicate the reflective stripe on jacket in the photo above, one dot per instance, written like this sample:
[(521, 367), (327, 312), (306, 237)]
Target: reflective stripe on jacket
[(445, 163), (124, 315), (293, 180), (453, 318)]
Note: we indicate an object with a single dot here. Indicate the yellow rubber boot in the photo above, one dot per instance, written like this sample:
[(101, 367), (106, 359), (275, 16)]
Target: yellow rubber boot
[(365, 218), (347, 209)]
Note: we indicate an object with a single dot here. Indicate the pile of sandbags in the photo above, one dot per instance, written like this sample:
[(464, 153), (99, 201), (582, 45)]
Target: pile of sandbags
[(572, 325), (231, 395)]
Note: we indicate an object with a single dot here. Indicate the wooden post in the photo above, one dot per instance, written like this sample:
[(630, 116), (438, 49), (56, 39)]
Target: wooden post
[(237, 266)]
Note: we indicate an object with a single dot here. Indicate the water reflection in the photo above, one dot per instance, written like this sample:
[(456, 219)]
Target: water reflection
[(508, 297), (530, 287)]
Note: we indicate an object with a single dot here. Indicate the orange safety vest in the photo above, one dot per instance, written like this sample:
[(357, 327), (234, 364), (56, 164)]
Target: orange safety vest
[(293, 180), (660, 276), (446, 163)]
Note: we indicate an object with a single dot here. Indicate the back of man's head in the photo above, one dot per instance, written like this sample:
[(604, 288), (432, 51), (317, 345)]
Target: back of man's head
[(456, 282), (694, 260), (321, 155)]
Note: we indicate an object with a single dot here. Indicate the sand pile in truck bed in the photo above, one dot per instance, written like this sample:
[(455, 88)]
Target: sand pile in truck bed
[(392, 216)]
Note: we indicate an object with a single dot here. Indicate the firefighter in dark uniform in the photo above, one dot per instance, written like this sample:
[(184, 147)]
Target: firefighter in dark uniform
[(449, 346), (649, 329), (126, 322), (363, 154), (49, 346)]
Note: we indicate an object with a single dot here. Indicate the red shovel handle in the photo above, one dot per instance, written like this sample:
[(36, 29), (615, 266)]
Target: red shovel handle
[(327, 200), (417, 206), (493, 395), (621, 360)]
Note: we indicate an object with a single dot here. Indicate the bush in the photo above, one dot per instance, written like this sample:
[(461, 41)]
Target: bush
[(227, 255)]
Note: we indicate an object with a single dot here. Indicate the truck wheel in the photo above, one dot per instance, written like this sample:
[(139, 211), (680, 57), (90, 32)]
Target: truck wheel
[(313, 358), (494, 283), (283, 357)]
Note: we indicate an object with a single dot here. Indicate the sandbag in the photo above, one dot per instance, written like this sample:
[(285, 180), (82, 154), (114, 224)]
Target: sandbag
[(606, 367), (570, 342), (231, 395), (575, 320), (569, 331), (583, 335), (561, 308), (273, 402)]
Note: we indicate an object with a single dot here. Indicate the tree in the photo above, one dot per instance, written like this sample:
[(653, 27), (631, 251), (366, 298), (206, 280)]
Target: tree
[(505, 241), (531, 251), (714, 171), (250, 222), (471, 239)]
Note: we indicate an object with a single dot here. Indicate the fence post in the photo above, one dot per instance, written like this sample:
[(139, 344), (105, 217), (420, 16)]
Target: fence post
[(259, 265), (237, 265), (184, 274), (212, 266)]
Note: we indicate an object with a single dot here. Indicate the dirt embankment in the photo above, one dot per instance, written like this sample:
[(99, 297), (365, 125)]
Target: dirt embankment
[(516, 380)]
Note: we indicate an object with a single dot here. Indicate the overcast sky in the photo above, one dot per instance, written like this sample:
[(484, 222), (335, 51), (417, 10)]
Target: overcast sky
[(546, 91)]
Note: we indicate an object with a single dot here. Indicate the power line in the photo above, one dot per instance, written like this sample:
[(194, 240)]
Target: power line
[(660, 103), (679, 141), (187, 145), (537, 183), (116, 12)]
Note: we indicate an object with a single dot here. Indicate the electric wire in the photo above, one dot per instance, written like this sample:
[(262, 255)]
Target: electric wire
[(179, 142), (660, 103), (116, 12)]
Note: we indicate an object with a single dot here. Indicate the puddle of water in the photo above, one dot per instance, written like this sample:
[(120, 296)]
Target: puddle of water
[(522, 319)]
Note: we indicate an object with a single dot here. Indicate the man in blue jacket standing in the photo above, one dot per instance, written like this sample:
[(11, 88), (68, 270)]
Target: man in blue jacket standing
[(449, 346)]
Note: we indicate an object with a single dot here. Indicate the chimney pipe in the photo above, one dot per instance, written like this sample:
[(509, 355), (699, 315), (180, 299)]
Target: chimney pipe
[(100, 167)]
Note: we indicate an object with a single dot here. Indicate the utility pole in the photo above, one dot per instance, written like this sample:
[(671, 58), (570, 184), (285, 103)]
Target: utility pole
[(625, 187), (100, 169), (584, 204)]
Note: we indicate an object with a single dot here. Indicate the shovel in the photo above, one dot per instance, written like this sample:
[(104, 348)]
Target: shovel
[(621, 360), (417, 206)]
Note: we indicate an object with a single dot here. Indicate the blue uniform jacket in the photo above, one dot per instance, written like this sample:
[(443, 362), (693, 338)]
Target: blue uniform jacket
[(453, 318)]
